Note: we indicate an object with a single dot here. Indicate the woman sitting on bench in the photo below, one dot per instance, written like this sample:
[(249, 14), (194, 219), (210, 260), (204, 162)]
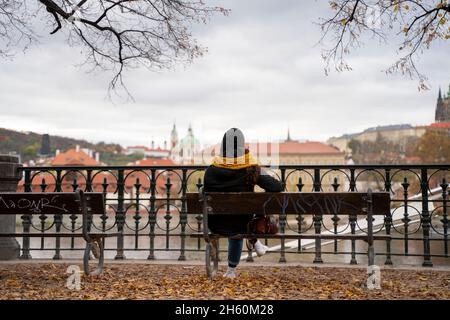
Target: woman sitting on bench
[(234, 170)]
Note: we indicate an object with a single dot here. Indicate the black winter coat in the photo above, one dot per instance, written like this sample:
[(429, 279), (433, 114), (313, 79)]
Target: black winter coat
[(230, 180)]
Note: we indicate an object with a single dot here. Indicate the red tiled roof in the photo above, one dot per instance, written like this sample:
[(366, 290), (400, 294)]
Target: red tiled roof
[(73, 157), (412, 159), (442, 125)]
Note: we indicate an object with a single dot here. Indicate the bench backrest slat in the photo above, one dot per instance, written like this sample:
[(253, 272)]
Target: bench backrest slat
[(48, 203), (324, 203)]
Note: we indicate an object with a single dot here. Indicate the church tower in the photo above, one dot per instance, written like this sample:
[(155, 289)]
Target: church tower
[(173, 137), (45, 149), (443, 107), (439, 108), (288, 136)]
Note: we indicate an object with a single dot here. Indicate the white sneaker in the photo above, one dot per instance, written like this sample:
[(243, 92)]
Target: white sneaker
[(260, 248), (231, 273)]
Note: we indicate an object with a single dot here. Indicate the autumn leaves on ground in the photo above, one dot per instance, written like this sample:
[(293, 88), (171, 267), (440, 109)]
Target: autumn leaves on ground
[(146, 281)]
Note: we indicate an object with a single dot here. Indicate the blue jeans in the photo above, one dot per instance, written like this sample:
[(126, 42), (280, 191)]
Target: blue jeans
[(234, 251)]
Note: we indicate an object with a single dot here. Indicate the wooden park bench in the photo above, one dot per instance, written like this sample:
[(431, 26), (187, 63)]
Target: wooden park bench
[(28, 204), (315, 204)]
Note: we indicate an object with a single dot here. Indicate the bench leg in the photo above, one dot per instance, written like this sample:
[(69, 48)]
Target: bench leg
[(282, 253), (212, 258), (87, 251), (317, 219), (249, 253), (371, 256), (352, 219)]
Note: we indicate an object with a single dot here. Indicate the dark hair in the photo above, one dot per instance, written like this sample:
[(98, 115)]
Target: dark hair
[(233, 144)]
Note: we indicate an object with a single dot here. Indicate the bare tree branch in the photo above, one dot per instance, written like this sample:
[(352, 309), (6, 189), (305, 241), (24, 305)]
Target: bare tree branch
[(116, 35), (14, 29)]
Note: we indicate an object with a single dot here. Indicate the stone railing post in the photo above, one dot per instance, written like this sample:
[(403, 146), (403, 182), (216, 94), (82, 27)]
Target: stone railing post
[(9, 179)]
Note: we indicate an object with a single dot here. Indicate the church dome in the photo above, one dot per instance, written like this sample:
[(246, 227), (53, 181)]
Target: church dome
[(186, 149), (189, 140)]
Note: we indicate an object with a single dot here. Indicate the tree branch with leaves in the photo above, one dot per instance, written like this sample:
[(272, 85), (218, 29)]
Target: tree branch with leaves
[(418, 24)]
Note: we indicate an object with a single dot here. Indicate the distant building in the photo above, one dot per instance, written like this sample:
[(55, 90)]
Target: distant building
[(76, 157), (148, 152), (152, 162), (298, 153), (440, 125), (173, 137), (287, 152), (45, 150), (180, 151), (71, 179), (443, 107), (398, 134), (186, 150), (135, 149), (290, 152)]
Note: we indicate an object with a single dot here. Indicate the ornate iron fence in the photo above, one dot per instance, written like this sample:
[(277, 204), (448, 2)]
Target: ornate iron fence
[(148, 203)]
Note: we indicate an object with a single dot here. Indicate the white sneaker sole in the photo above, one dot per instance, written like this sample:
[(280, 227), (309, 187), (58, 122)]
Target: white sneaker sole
[(261, 253), (252, 247)]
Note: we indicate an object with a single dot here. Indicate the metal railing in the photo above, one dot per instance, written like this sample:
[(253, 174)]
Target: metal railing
[(148, 203)]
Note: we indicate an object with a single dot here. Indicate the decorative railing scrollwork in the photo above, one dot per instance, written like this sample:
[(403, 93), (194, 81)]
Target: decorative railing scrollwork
[(147, 205)]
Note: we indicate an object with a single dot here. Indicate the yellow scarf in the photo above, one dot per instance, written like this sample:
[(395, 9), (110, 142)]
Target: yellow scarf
[(241, 162)]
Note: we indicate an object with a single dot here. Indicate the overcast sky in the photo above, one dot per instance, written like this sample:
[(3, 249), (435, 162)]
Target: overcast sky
[(263, 72)]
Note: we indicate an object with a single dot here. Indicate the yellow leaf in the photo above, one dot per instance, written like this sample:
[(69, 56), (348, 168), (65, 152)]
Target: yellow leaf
[(12, 283)]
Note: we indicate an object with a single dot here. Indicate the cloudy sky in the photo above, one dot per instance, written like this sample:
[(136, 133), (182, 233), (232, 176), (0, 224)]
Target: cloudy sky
[(263, 73)]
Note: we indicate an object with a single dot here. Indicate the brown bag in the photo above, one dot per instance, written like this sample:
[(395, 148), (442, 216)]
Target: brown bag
[(266, 224)]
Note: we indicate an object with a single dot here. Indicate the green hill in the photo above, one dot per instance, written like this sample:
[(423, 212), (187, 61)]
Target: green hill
[(28, 144)]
